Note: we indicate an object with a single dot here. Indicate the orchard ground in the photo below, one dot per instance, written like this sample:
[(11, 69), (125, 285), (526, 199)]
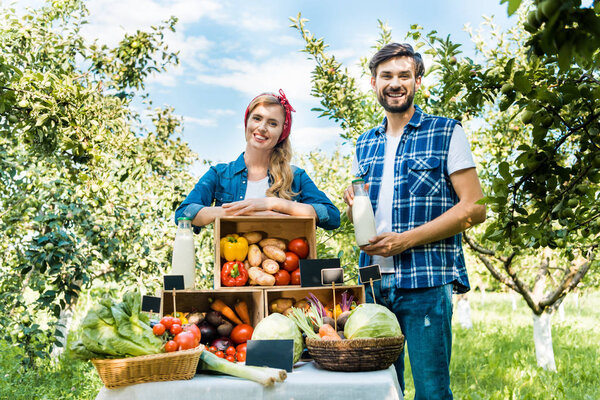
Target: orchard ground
[(494, 360)]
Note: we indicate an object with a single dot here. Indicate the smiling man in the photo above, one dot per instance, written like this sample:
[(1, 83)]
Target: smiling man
[(423, 187)]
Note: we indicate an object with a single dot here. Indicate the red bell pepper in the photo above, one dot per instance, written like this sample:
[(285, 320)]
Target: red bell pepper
[(234, 274)]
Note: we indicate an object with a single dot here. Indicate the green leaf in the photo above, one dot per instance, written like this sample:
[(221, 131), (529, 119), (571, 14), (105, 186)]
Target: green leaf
[(522, 83), (513, 6), (504, 170), (564, 56)]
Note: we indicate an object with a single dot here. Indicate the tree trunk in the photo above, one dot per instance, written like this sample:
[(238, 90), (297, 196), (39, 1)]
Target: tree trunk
[(542, 337), (463, 313)]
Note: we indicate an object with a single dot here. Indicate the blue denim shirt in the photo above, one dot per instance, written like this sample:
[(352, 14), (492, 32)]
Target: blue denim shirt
[(226, 183)]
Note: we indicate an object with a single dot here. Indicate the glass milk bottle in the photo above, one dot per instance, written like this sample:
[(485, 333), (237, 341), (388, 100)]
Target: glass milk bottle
[(184, 256), (362, 214)]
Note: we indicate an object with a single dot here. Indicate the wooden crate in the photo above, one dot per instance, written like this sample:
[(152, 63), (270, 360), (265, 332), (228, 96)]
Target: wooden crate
[(283, 227), (188, 300), (324, 294)]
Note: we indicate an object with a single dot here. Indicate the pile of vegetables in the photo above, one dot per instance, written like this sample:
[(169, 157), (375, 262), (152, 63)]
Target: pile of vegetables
[(364, 321), (115, 330), (251, 258), (224, 330)]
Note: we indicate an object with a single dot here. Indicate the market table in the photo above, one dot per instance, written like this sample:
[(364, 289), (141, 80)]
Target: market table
[(308, 381)]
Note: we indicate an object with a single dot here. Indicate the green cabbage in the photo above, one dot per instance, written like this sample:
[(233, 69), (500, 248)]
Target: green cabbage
[(371, 321), (115, 330), (277, 326)]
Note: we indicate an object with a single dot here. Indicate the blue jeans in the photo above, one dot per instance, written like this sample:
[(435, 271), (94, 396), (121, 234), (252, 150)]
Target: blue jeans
[(425, 316)]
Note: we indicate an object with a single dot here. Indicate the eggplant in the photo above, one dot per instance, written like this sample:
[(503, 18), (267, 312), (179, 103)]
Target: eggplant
[(222, 343), (208, 332)]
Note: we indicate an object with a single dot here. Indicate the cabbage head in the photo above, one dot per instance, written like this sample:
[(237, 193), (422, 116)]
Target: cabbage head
[(277, 326), (371, 321)]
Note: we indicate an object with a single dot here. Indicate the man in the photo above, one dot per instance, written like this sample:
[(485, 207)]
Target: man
[(423, 187)]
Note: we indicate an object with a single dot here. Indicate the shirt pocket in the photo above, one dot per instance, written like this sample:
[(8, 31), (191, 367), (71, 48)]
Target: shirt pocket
[(424, 176), (363, 170), (222, 198)]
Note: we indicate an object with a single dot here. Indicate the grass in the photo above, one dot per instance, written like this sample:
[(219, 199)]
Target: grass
[(494, 360)]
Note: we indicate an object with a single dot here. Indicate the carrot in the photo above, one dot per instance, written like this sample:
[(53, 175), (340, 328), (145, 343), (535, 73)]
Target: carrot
[(241, 308), (224, 309), (327, 332)]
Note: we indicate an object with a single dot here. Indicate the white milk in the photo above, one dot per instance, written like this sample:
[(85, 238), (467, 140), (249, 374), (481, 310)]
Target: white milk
[(184, 255), (363, 219)]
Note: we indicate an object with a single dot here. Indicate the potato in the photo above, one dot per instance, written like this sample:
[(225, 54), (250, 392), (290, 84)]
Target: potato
[(282, 304), (254, 255), (261, 277), (275, 253), (273, 242), (270, 266), (253, 237)]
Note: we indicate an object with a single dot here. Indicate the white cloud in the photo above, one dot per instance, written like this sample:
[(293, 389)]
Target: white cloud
[(221, 112), (291, 72), (305, 139), (205, 122)]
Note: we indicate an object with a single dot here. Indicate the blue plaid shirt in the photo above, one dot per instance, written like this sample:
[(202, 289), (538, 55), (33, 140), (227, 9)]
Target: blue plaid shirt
[(423, 192)]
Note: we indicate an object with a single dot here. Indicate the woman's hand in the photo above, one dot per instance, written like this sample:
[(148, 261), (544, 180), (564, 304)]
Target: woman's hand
[(250, 206)]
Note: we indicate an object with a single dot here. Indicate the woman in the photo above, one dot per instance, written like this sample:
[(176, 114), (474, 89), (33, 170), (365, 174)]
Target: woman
[(261, 181)]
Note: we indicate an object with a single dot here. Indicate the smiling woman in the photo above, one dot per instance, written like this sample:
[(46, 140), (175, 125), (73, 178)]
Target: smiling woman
[(261, 181)]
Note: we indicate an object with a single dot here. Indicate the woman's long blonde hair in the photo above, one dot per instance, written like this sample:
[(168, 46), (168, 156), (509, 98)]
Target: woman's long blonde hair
[(280, 168)]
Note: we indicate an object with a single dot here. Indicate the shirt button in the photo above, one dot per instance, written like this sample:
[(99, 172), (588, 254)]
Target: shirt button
[(241, 197)]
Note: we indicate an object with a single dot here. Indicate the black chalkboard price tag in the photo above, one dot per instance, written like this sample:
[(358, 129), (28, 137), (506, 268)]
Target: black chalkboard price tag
[(370, 274), (151, 304), (332, 275), (173, 282), (271, 353)]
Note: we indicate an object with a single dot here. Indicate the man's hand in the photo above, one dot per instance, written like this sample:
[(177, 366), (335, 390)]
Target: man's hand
[(349, 196), (387, 244)]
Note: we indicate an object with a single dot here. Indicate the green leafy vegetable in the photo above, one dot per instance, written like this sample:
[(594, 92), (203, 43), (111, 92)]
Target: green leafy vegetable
[(278, 326), (115, 330), (371, 321)]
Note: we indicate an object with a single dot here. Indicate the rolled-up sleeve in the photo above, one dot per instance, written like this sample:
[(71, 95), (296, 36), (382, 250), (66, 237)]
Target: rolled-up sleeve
[(201, 196), (328, 215)]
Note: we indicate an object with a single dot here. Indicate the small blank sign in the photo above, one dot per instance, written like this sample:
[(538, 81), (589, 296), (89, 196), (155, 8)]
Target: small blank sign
[(370, 272), (332, 275), (151, 304), (173, 282)]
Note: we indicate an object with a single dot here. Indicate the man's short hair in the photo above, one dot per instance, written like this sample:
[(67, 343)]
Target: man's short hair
[(397, 50)]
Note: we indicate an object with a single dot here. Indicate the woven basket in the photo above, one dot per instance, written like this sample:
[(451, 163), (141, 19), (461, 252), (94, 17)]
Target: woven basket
[(355, 354), (173, 366)]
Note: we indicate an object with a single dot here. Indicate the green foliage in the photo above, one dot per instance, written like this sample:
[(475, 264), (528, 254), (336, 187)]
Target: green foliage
[(87, 192)]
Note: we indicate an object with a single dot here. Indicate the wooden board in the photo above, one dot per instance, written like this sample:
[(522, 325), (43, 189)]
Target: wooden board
[(324, 294), (188, 300), (283, 227)]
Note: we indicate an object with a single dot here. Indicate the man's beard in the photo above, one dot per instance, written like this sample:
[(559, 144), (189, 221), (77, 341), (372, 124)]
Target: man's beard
[(403, 107)]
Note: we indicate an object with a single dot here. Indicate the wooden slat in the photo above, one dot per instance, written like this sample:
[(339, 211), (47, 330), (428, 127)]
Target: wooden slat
[(324, 294)]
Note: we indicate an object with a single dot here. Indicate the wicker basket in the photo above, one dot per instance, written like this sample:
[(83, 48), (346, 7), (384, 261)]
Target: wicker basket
[(355, 354), (173, 366)]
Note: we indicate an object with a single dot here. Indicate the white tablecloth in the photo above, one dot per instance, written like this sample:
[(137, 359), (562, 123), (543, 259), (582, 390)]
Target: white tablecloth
[(306, 382)]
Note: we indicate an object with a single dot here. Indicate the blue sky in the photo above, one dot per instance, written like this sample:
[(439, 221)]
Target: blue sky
[(231, 51)]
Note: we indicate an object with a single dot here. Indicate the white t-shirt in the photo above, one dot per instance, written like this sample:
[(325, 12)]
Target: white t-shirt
[(257, 189), (459, 157)]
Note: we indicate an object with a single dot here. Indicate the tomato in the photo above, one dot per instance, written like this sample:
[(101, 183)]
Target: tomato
[(194, 329), (230, 351), (212, 349), (295, 277), (158, 329), (167, 322), (230, 358), (291, 261), (177, 321), (241, 357), (241, 333), (185, 340), (282, 277), (241, 347), (299, 246), (175, 329), (220, 354), (171, 346)]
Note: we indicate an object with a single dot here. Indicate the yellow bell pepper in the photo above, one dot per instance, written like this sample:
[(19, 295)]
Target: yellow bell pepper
[(234, 247), (181, 316)]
